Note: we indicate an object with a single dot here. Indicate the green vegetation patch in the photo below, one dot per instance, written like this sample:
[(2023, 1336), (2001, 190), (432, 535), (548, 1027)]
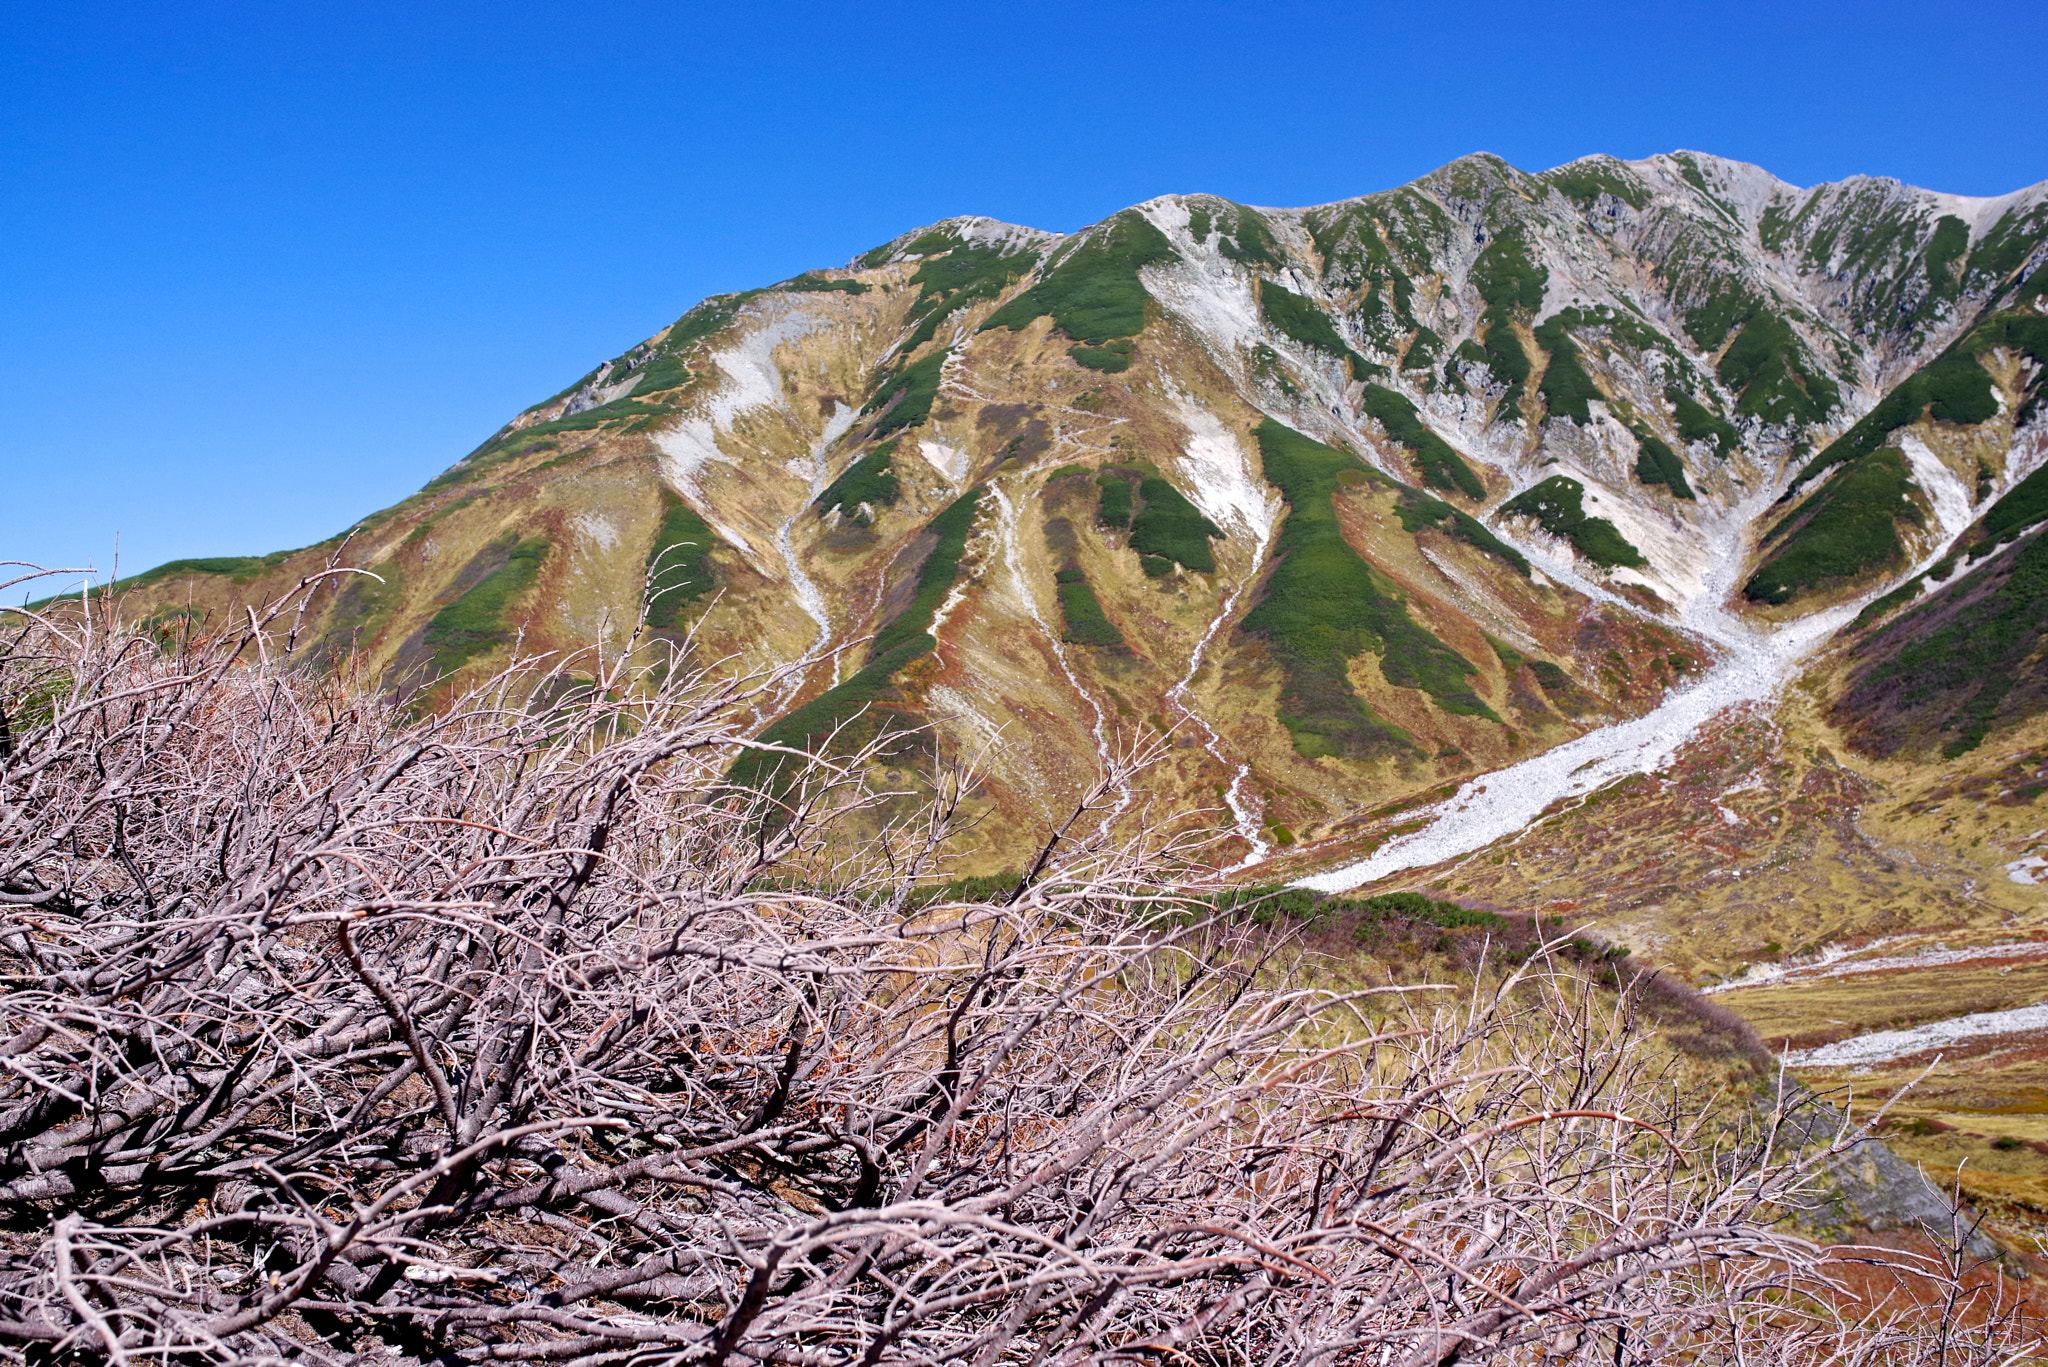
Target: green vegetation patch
[(1511, 284), (678, 564), (1767, 367), (815, 283), (475, 622), (1583, 182), (1086, 623), (1323, 605), (1657, 463), (871, 480), (1297, 318), (1955, 387), (1513, 287), (1172, 528), (2024, 505), (1558, 505), (1948, 668), (1093, 294), (1566, 387), (661, 365), (1423, 350), (1418, 510), (901, 641), (1772, 375), (1114, 503), (911, 390), (1441, 466), (240, 568), (1164, 526), (960, 275), (1697, 422), (1271, 904), (1847, 529), (1114, 358)]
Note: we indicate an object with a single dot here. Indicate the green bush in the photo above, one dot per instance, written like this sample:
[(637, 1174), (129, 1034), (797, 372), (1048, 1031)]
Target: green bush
[(1418, 510), (1423, 350), (1323, 605), (1709, 323), (2025, 504), (1566, 387), (1846, 529), (1442, 467), (678, 564), (1583, 182), (1948, 388), (1253, 244), (1086, 623), (475, 622), (1558, 505), (1966, 648), (1511, 284), (1114, 358), (935, 577), (870, 480), (812, 281), (1766, 366), (913, 390), (960, 275), (1508, 362), (1657, 463), (1170, 527), (1113, 506), (1697, 422), (1093, 293), (1292, 316), (896, 645), (1412, 906)]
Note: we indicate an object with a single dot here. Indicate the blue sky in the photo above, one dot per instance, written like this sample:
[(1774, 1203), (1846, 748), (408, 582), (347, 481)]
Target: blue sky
[(270, 266)]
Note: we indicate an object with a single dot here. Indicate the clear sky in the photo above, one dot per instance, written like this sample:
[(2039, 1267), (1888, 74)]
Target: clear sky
[(269, 266)]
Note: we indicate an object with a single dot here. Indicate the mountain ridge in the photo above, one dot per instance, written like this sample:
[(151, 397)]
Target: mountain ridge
[(1549, 412)]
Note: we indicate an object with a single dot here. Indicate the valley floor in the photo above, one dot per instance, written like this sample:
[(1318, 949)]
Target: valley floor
[(1883, 926)]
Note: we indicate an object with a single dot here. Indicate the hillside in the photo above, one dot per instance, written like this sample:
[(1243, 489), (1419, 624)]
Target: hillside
[(1347, 503)]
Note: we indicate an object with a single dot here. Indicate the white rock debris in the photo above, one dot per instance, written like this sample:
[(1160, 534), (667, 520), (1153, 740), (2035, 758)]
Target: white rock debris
[(1887, 1046)]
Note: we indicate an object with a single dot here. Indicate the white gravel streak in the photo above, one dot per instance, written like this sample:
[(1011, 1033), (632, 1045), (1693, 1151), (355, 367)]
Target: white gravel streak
[(1836, 963), (1021, 585), (1757, 662), (1885, 1046)]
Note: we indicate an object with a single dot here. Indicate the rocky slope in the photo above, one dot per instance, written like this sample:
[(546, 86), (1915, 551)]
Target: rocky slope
[(1350, 503)]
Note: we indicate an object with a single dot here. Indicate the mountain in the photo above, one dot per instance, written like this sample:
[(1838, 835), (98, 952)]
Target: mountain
[(1351, 503)]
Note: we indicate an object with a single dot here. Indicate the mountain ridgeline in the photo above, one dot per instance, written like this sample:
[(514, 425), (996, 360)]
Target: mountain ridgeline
[(1341, 504)]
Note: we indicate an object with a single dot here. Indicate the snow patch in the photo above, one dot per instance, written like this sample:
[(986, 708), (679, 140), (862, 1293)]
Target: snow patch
[(1219, 470), (598, 528), (1884, 1046), (751, 379), (2022, 871), (1951, 501), (949, 461)]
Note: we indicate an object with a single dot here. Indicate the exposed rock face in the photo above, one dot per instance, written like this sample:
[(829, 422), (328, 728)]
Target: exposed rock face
[(1352, 500)]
